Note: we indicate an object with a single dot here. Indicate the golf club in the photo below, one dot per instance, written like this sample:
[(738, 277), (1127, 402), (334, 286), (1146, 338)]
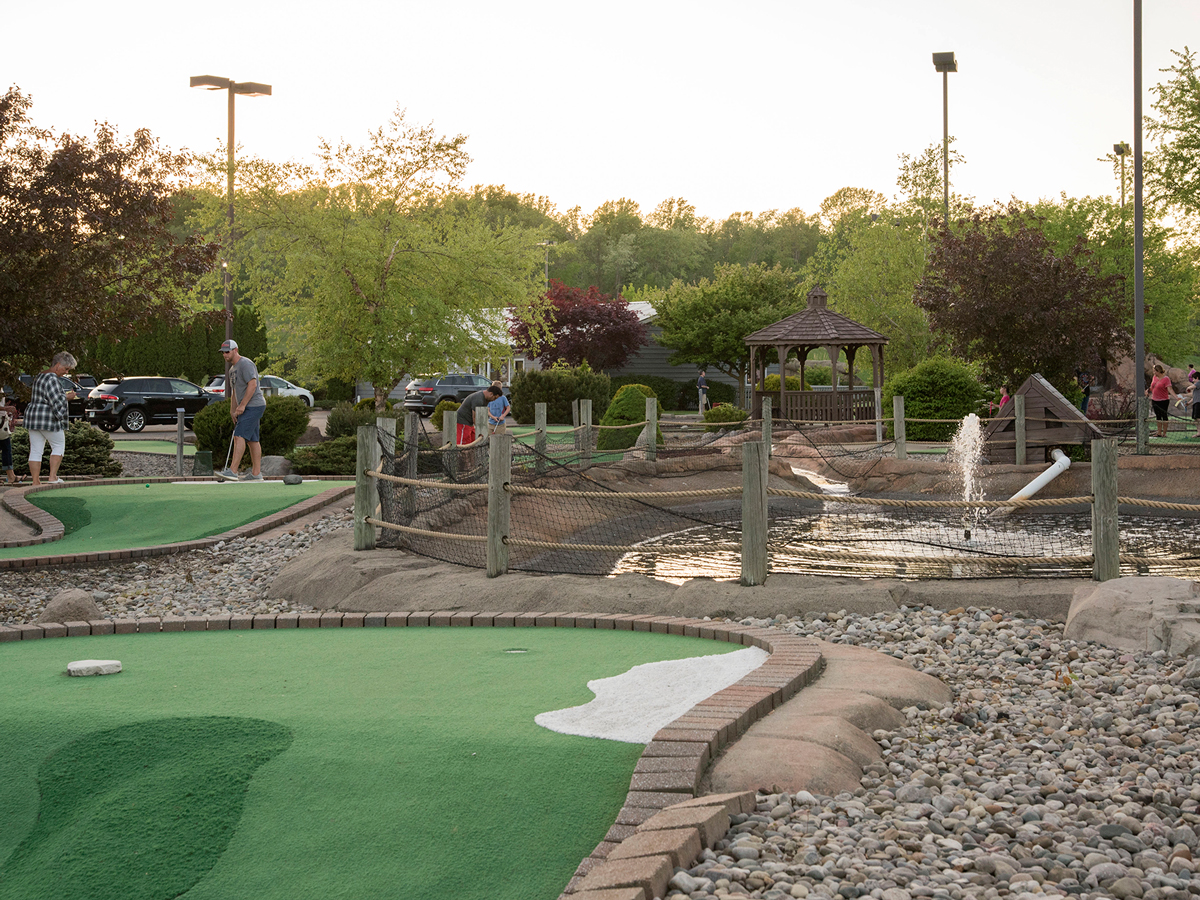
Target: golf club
[(228, 456)]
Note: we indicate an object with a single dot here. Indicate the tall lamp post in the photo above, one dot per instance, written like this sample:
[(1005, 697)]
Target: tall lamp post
[(249, 89), (945, 63), (1139, 325), (547, 245)]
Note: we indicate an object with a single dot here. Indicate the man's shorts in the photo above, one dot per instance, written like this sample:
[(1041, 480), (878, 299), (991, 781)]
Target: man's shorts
[(466, 434), (246, 426)]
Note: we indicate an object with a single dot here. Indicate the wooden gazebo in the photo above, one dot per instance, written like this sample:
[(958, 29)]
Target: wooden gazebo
[(815, 327)]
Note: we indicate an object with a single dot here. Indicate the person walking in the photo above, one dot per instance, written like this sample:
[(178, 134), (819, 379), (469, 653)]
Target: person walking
[(246, 407), (10, 416), (702, 391), (46, 417), (1084, 379), (1160, 393)]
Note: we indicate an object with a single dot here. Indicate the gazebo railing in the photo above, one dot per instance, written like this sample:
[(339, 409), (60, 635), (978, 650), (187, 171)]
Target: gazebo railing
[(842, 405)]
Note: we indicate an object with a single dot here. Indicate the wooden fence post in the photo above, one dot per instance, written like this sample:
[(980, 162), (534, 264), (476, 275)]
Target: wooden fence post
[(898, 426), (498, 514), (650, 432), (1019, 412), (879, 415), (767, 424), (754, 513), (1106, 536), (412, 426), (585, 436), (539, 435), (366, 490), (450, 445)]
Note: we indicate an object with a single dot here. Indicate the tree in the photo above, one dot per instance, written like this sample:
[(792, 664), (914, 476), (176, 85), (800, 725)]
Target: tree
[(375, 276), (1006, 298), (705, 323), (86, 247), (583, 326), (1173, 169)]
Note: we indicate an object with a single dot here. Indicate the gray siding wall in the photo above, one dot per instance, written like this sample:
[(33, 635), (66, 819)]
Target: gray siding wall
[(652, 360)]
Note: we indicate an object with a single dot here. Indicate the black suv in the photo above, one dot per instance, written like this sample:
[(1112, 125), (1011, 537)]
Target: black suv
[(134, 403), (425, 394)]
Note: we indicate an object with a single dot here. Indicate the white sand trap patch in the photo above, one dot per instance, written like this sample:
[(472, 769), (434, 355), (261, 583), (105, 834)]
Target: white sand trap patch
[(632, 707)]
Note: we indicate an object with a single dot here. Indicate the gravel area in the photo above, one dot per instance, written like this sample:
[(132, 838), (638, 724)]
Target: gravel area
[(1062, 768)]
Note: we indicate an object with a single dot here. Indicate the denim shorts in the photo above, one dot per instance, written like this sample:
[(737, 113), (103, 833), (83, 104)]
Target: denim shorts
[(246, 426)]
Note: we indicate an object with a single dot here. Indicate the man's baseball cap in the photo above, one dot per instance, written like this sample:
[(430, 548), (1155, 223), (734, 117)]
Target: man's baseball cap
[(228, 345)]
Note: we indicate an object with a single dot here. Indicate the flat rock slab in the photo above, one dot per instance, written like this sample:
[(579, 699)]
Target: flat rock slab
[(771, 764), (94, 667)]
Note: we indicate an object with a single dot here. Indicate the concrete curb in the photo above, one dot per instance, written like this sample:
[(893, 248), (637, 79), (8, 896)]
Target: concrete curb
[(662, 823), (52, 529)]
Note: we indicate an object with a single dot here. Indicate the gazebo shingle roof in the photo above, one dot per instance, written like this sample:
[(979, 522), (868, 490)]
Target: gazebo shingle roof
[(816, 325)]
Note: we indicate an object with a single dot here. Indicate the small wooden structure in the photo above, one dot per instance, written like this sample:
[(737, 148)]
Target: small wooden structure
[(1051, 420), (815, 327)]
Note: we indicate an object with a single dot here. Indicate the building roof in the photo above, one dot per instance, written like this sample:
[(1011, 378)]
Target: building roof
[(817, 325)]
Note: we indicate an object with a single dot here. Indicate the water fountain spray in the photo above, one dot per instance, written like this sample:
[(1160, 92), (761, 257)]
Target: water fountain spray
[(965, 455)]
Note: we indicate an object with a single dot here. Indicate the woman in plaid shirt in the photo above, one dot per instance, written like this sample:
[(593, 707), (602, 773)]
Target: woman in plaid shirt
[(46, 417)]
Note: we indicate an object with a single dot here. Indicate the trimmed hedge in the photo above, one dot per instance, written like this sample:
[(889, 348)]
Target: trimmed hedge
[(938, 388), (88, 451), (438, 420), (284, 421), (345, 418), (338, 456), (724, 417), (558, 388), (627, 408)]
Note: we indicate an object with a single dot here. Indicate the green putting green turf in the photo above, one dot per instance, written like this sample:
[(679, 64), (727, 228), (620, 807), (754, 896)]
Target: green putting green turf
[(119, 517), (377, 762), (153, 447)]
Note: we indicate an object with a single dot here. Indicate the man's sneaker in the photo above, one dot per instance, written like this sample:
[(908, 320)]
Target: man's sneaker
[(250, 476), (226, 474)]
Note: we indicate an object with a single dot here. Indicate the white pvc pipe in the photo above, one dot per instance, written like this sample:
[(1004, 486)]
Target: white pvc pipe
[(1061, 464)]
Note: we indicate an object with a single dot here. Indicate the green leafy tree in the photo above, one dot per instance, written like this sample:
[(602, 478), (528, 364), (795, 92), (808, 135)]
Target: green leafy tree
[(375, 276), (1173, 169), (86, 243), (705, 323), (1004, 296)]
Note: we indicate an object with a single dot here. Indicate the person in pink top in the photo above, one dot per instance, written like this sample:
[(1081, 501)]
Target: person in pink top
[(1160, 393)]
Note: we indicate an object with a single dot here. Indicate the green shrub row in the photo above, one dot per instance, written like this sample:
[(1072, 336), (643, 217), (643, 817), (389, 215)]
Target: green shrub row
[(345, 417), (284, 421), (338, 456), (677, 394), (88, 451)]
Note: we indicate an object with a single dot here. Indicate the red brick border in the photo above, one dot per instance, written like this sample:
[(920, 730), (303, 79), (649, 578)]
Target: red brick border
[(662, 824), (52, 529)]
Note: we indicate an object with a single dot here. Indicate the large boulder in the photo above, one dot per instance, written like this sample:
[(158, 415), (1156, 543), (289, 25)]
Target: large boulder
[(275, 466), (72, 605), (1138, 613)]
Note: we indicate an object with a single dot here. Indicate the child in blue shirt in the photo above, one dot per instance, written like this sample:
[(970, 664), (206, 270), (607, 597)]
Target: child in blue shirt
[(497, 409)]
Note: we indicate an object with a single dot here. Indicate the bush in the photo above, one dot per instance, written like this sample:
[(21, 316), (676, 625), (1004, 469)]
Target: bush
[(672, 394), (334, 457), (345, 418), (627, 408), (558, 388), (437, 420), (938, 388), (793, 383), (284, 421), (720, 392), (88, 451), (818, 375), (724, 416), (369, 403), (335, 390)]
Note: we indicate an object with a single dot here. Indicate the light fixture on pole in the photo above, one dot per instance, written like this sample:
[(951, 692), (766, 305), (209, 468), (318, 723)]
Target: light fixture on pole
[(1122, 150), (945, 63), (249, 89), (547, 245)]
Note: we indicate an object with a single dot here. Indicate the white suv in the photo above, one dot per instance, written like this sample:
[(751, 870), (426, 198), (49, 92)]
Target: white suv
[(271, 384)]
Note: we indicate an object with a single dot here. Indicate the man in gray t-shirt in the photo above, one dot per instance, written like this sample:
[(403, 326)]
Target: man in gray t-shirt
[(246, 406)]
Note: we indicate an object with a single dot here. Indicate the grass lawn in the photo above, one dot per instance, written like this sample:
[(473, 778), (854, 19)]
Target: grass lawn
[(364, 762), (120, 517)]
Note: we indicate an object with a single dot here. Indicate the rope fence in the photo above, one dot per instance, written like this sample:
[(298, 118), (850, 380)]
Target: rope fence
[(520, 500)]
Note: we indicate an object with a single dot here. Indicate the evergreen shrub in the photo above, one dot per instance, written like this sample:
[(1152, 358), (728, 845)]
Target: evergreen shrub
[(724, 417), (558, 388), (937, 388), (672, 394), (345, 418), (627, 408), (338, 456), (88, 451), (438, 420)]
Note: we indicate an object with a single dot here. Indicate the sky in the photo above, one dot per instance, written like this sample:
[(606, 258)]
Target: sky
[(735, 107)]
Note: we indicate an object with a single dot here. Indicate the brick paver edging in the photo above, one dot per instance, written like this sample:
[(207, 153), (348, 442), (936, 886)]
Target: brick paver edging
[(662, 823), (52, 529)]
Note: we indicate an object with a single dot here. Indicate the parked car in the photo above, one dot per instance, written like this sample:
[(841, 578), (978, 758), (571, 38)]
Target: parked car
[(75, 408), (424, 394), (270, 383), (135, 402)]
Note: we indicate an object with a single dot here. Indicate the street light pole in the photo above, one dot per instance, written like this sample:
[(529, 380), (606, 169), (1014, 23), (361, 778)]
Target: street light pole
[(1139, 294), (547, 245), (250, 89), (945, 63)]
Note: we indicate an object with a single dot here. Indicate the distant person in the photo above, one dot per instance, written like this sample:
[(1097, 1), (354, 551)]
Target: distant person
[(1084, 379), (1194, 399), (1005, 397), (1160, 392), (46, 417), (702, 391), (1193, 375), (246, 407), (498, 408), (10, 417), (465, 417)]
